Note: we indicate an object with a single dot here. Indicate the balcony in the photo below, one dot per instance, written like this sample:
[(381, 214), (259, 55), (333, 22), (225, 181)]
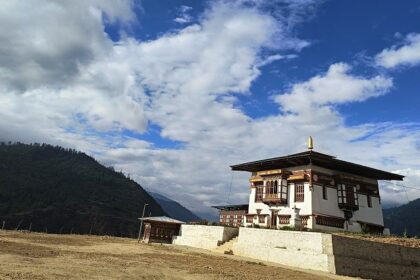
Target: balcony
[(273, 198)]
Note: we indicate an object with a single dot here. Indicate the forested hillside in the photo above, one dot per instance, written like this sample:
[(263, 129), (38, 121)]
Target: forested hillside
[(404, 219), (64, 191)]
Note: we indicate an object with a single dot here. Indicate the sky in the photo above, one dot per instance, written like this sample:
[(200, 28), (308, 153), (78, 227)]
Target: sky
[(173, 92)]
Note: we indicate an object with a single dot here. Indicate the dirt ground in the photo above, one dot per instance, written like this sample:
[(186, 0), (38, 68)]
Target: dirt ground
[(48, 256)]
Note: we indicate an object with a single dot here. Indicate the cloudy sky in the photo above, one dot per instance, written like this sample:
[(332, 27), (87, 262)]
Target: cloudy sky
[(172, 92)]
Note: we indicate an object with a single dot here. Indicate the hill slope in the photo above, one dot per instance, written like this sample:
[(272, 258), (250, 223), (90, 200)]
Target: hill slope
[(174, 209), (62, 191), (406, 216)]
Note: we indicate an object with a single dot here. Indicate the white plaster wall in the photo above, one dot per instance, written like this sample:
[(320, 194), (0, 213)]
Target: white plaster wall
[(205, 237), (305, 207), (307, 250), (328, 206), (370, 215), (314, 203)]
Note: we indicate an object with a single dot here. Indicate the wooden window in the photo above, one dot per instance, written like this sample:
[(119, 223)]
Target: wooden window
[(299, 192), (250, 219), (269, 189), (275, 187), (284, 219), (259, 193), (304, 220), (330, 221), (347, 196), (261, 219), (272, 189), (283, 191), (369, 200), (324, 192)]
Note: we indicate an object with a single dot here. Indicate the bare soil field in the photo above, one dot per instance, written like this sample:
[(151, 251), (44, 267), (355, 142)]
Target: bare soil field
[(48, 256)]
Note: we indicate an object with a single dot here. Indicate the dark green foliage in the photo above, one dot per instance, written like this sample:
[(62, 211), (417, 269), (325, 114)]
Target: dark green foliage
[(64, 191), (404, 219)]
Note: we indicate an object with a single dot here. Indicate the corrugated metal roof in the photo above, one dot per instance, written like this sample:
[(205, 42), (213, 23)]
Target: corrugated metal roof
[(162, 219)]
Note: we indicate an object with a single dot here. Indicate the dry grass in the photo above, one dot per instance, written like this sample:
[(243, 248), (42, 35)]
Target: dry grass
[(48, 256), (397, 240)]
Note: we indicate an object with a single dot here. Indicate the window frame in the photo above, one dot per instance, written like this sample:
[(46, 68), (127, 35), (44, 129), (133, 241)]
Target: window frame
[(300, 192), (324, 192), (369, 200)]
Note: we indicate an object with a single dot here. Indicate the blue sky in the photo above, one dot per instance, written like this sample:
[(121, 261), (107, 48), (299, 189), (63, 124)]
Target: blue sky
[(173, 92)]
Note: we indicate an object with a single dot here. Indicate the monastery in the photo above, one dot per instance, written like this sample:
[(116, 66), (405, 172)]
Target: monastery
[(310, 190)]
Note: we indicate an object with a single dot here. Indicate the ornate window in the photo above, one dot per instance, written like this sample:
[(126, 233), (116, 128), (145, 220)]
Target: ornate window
[(259, 193), (283, 191), (284, 219), (347, 196), (250, 219), (299, 192)]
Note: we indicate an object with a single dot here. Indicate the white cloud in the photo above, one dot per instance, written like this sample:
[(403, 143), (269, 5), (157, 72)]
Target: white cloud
[(183, 15), (186, 82), (407, 54), (337, 86)]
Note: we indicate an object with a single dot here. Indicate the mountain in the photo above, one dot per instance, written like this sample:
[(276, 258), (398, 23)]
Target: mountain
[(174, 209), (404, 218), (64, 191)]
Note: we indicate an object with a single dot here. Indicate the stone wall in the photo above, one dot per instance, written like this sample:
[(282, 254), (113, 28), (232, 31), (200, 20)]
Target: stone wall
[(332, 253), (299, 249), (311, 250), (374, 260), (205, 237)]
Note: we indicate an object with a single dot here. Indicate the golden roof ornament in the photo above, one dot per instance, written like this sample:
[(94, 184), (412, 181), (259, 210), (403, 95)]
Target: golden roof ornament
[(310, 143)]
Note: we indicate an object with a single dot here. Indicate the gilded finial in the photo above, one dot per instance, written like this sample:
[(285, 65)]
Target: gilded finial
[(310, 143)]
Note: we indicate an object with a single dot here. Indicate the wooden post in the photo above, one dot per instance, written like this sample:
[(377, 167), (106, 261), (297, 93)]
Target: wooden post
[(141, 222), (30, 227), (4, 223)]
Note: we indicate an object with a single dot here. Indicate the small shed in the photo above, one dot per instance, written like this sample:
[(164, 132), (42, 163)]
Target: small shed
[(160, 229)]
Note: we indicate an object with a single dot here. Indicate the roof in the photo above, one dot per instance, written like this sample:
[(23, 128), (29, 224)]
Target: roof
[(232, 207), (162, 219), (318, 159)]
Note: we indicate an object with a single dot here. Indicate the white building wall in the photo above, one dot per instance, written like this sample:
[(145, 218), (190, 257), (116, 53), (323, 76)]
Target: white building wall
[(327, 206), (371, 215), (314, 203)]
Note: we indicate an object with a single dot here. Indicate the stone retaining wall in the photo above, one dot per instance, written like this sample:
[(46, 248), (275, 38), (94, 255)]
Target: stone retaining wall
[(205, 237), (332, 253), (311, 250), (374, 260), (299, 249)]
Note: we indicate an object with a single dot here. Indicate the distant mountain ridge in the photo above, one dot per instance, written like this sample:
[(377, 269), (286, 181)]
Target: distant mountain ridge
[(61, 190), (174, 209), (404, 218)]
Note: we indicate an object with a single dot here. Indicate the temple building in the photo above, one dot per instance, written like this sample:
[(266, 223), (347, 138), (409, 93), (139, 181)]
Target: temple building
[(315, 191), (232, 215)]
